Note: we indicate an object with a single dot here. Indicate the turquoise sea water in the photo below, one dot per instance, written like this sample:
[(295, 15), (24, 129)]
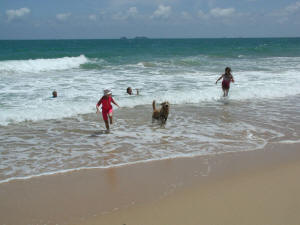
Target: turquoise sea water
[(132, 50), (40, 135)]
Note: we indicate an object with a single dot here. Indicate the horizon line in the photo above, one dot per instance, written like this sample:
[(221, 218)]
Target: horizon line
[(145, 38)]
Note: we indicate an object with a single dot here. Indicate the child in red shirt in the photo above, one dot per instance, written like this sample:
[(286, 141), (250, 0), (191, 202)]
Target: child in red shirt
[(106, 107)]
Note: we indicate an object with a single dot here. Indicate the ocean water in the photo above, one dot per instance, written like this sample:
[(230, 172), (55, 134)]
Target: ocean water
[(41, 135)]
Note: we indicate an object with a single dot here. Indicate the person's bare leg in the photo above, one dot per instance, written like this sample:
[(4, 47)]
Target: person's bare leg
[(226, 92), (111, 119), (106, 124)]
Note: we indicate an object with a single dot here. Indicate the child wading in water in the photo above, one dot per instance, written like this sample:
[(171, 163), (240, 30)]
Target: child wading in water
[(106, 107), (227, 78)]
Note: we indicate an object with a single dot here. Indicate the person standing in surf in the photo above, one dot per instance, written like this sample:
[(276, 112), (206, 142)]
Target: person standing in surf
[(227, 78), (107, 109)]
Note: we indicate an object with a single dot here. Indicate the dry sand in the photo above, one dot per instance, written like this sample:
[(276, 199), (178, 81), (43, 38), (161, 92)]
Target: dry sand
[(258, 187)]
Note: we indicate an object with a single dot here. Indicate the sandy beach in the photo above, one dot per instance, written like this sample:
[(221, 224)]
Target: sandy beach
[(256, 187)]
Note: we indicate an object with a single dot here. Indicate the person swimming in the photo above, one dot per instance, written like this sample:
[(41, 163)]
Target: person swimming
[(54, 94), (129, 91), (227, 78)]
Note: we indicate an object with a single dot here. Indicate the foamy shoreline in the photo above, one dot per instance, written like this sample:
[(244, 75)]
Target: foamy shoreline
[(107, 196), (32, 149)]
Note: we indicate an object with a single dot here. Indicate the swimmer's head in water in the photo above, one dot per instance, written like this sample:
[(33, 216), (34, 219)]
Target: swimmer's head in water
[(129, 91), (54, 94)]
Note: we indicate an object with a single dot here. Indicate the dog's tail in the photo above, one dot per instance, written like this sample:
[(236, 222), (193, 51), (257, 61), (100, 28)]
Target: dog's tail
[(153, 105)]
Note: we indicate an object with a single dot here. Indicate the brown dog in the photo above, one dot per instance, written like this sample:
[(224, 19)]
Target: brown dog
[(161, 114)]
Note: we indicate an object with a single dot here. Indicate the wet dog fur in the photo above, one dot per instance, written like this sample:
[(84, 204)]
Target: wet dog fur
[(161, 114)]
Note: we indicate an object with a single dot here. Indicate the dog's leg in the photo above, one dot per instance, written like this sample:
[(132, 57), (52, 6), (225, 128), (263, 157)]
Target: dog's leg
[(162, 121)]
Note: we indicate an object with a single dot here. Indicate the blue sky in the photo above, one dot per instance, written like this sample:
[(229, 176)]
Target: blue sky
[(56, 19)]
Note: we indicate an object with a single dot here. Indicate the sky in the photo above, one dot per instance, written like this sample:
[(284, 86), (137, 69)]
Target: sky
[(97, 19)]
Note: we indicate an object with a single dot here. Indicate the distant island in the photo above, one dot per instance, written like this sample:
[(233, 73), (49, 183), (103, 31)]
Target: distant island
[(135, 38), (141, 37)]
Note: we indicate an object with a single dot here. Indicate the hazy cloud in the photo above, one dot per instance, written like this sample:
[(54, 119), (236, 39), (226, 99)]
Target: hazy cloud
[(132, 12), (282, 20), (283, 15), (202, 15), (290, 9), (185, 15), (16, 13), (102, 14), (119, 16), (93, 17), (63, 16), (162, 12), (218, 12)]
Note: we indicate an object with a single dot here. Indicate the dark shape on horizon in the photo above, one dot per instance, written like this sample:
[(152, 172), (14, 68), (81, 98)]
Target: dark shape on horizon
[(140, 38)]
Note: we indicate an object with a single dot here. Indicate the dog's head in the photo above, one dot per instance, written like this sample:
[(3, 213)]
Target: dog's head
[(165, 106)]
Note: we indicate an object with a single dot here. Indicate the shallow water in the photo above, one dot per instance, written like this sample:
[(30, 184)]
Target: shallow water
[(51, 146)]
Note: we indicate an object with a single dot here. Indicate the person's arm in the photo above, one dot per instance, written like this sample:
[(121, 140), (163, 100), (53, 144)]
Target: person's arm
[(113, 101), (232, 79), (219, 78), (97, 105)]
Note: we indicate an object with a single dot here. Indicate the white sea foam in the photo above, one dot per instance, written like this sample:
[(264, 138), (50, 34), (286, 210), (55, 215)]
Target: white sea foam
[(29, 97), (50, 147), (39, 65), (289, 141)]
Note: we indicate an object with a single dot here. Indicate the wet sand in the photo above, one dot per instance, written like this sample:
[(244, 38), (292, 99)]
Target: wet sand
[(258, 187), (268, 197)]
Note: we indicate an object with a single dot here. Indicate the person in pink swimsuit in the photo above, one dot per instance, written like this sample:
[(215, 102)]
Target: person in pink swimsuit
[(227, 78), (107, 109)]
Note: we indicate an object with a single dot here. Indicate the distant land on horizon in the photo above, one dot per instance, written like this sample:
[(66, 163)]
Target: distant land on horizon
[(137, 37), (143, 38)]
